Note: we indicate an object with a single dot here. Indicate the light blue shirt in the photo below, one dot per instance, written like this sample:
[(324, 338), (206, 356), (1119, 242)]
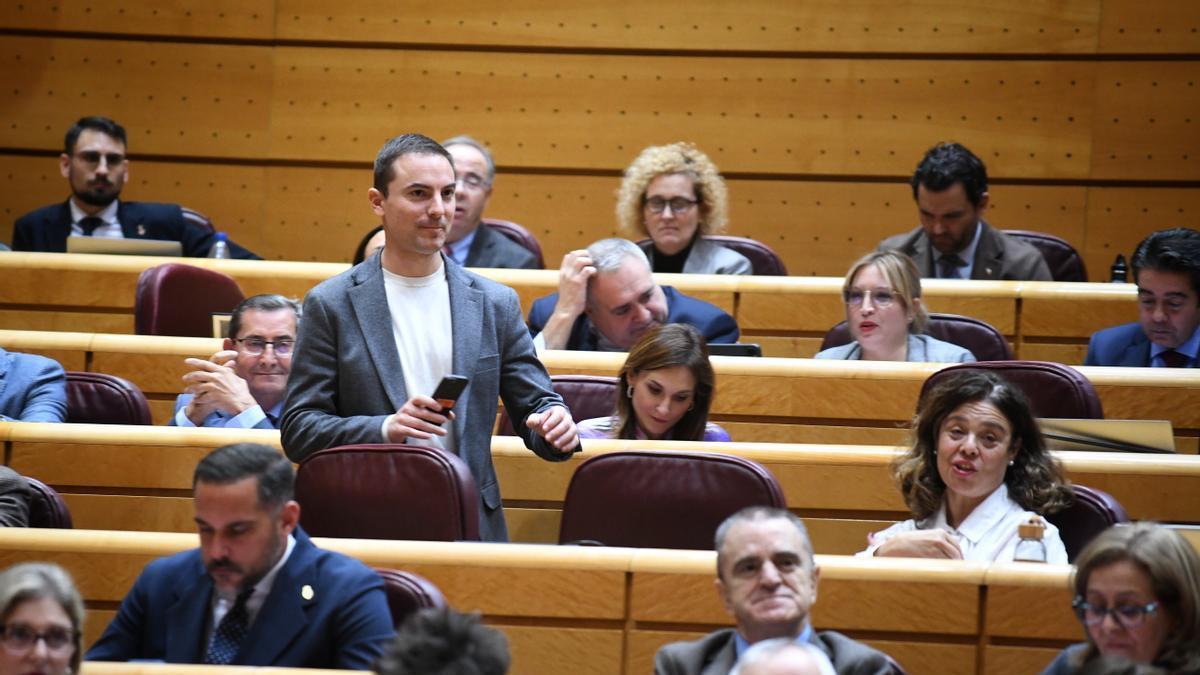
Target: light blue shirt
[(460, 248), (967, 254), (247, 419), (1188, 349)]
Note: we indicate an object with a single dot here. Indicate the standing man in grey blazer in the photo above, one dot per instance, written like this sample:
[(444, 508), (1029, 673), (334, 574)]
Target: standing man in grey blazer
[(378, 338), (767, 579)]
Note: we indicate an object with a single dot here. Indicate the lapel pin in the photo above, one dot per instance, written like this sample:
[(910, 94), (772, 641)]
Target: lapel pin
[(307, 592), (141, 230)]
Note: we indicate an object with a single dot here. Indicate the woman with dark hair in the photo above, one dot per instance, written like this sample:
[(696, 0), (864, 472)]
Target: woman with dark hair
[(1137, 592), (978, 468), (665, 390), (42, 620), (371, 242)]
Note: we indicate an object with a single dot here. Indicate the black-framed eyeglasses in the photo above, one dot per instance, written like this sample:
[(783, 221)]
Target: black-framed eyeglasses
[(92, 158), (19, 638), (1129, 616), (677, 204), (880, 297), (255, 346), (471, 180)]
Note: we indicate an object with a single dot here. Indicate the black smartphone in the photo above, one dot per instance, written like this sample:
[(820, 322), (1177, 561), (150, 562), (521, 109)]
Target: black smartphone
[(448, 391)]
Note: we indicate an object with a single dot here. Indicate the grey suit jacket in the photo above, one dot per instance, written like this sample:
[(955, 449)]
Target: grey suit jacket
[(921, 349), (14, 499), (716, 654), (708, 258), (492, 249), (347, 377), (998, 256)]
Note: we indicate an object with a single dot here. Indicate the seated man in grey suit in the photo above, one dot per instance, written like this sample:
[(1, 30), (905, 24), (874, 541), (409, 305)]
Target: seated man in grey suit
[(953, 241), (1166, 269), (468, 244), (767, 578), (378, 338), (242, 386)]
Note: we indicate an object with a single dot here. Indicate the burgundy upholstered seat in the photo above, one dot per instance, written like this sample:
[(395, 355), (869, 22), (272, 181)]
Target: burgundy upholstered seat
[(387, 492), (1061, 257), (97, 398), (46, 506), (985, 342), (519, 234), (1092, 512), (586, 396), (1053, 390), (408, 592), (178, 299), (661, 499)]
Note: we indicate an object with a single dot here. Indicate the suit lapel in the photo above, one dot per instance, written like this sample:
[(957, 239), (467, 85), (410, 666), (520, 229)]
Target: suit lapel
[(284, 614), (466, 326), (369, 301), (186, 619), (989, 259), (923, 256), (132, 221), (1137, 353)]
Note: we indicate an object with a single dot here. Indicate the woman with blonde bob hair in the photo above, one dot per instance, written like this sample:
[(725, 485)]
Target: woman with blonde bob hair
[(1137, 593), (42, 620), (978, 468), (885, 315), (665, 390), (674, 195)]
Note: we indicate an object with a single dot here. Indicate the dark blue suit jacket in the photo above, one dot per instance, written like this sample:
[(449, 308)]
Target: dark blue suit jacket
[(47, 229), (714, 324), (1124, 345), (344, 624)]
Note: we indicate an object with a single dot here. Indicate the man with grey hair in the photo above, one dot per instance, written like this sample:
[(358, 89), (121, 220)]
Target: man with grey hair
[(242, 386), (781, 656), (468, 244), (767, 579), (607, 298)]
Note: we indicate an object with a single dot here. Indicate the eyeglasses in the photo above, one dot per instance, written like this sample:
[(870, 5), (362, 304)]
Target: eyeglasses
[(255, 346), (471, 180), (880, 297), (21, 638), (1129, 616), (92, 158), (677, 204)]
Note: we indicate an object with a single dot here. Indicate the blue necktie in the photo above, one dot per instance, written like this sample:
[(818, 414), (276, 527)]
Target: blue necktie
[(227, 638), (948, 266)]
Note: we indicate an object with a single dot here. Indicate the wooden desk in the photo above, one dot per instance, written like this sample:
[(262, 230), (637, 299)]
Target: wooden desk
[(788, 315), (139, 478), (103, 668), (607, 610)]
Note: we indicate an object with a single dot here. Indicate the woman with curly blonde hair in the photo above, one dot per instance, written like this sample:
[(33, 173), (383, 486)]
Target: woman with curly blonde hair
[(674, 195), (977, 469)]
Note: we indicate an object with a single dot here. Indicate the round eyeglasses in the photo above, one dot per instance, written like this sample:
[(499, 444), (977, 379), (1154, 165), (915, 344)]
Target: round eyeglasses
[(880, 297), (255, 346), (19, 638), (1128, 616), (677, 204)]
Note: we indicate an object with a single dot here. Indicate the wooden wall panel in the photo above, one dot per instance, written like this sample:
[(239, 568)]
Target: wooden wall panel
[(1146, 124), (759, 25), (191, 18), (1119, 218), (1149, 26)]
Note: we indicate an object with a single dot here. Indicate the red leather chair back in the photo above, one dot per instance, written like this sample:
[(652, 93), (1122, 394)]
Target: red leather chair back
[(763, 258), (661, 499), (177, 299), (984, 341), (387, 492), (1092, 512), (46, 506), (97, 398), (1053, 390), (518, 234), (408, 592), (1063, 260), (586, 396)]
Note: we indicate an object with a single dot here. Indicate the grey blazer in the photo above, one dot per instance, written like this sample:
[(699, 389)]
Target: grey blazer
[(716, 654), (347, 377), (708, 258), (998, 255), (493, 249), (921, 349)]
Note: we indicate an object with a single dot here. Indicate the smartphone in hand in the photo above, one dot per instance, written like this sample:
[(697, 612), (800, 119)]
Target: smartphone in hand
[(448, 391)]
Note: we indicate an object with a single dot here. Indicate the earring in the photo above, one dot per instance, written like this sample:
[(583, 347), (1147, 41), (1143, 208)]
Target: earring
[(629, 391), (1011, 462)]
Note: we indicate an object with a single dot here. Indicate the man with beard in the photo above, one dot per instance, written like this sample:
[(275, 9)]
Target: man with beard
[(468, 244), (96, 166), (257, 592), (242, 386), (953, 241), (607, 298)]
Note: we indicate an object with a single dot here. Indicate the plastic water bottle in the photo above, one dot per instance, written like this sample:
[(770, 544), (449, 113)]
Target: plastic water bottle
[(1031, 548), (220, 246), (1119, 272)]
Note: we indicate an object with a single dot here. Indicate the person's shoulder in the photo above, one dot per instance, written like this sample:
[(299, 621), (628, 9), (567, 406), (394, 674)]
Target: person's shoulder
[(507, 251), (596, 427), (697, 650), (679, 302), (940, 351), (840, 352), (851, 656), (48, 212), (1126, 332), (902, 241)]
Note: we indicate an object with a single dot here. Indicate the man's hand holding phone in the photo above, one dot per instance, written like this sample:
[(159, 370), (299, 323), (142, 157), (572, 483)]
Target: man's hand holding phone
[(424, 417)]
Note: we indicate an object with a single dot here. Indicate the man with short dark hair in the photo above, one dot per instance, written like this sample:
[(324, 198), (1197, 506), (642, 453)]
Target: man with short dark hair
[(377, 339), (767, 579), (96, 167), (1166, 269), (468, 244), (257, 592), (242, 386), (607, 298), (950, 187), (445, 642)]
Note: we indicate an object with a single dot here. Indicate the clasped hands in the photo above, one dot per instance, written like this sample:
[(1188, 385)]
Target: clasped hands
[(215, 386)]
